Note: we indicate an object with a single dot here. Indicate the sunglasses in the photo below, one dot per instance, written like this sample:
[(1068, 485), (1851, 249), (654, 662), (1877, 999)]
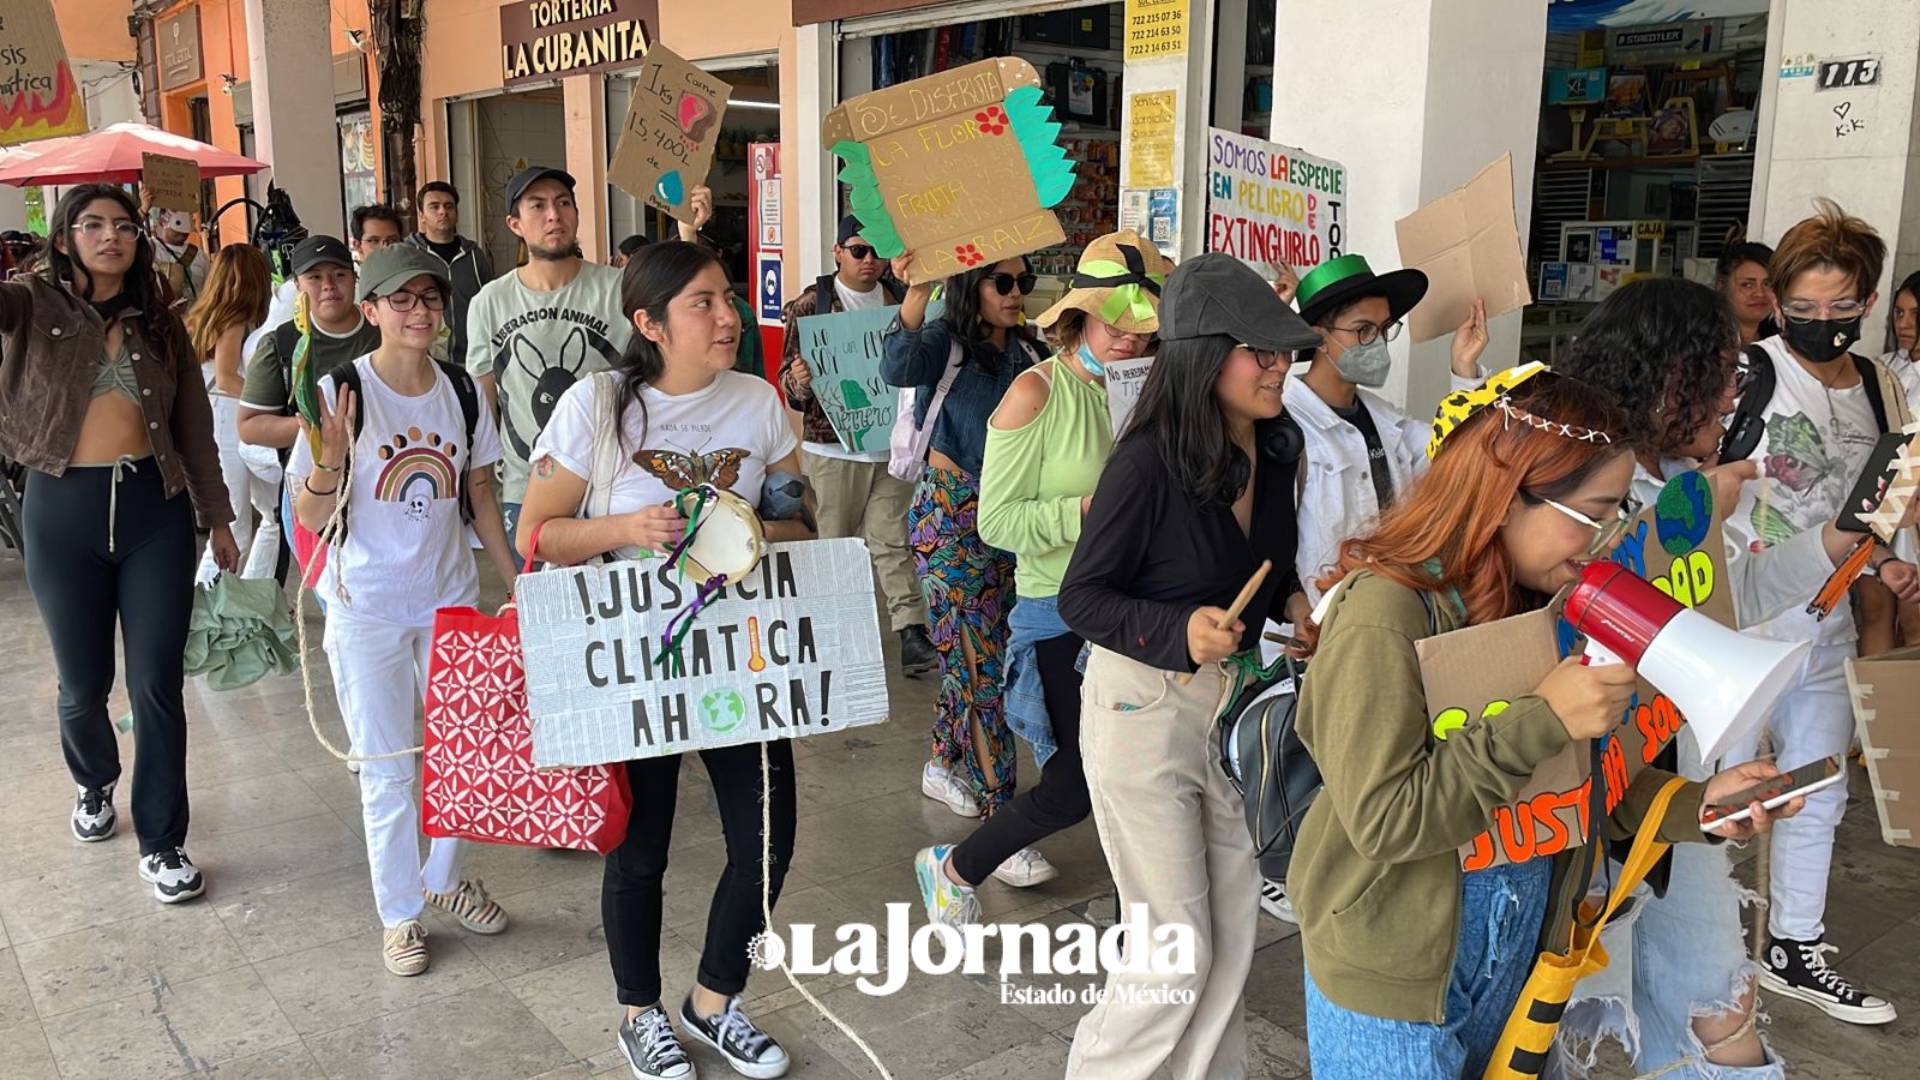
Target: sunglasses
[(860, 252), (1006, 283), (1605, 533)]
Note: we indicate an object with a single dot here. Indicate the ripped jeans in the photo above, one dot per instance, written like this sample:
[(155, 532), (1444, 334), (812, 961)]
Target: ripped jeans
[(1501, 909)]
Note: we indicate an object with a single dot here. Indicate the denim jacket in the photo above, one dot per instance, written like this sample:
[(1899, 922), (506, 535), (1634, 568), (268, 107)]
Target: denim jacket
[(918, 358), (1034, 619)]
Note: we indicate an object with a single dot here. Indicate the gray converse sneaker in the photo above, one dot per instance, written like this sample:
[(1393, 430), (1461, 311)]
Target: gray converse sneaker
[(748, 1050), (652, 1050), (173, 875), (94, 818)]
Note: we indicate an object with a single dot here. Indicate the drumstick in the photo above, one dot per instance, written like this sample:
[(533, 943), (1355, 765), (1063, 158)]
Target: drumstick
[(1239, 604)]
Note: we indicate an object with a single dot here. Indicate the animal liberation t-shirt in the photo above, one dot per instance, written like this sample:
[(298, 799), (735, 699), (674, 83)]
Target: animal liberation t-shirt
[(406, 551), (536, 345)]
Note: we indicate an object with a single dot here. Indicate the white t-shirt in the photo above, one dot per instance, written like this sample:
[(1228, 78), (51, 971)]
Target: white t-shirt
[(279, 310), (875, 297), (727, 434), (406, 551), (1816, 443)]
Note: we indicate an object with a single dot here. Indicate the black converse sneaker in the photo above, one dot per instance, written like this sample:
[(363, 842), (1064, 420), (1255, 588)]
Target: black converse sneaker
[(93, 816), (173, 875), (653, 1053), (748, 1050), (1799, 969)]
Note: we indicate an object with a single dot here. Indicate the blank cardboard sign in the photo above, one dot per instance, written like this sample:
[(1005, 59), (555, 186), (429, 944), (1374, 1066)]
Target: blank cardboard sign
[(958, 167), (171, 183), (667, 139), (1884, 689), (1469, 246)]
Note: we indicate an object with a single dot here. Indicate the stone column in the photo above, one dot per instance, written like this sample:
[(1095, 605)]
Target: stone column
[(290, 57)]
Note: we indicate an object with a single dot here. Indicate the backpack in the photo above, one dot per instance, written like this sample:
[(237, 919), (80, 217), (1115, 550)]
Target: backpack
[(464, 388), (908, 442), (1748, 422)]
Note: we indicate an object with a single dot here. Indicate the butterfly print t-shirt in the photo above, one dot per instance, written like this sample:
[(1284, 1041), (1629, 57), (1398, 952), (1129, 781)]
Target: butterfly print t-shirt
[(536, 345), (406, 550), (725, 435)]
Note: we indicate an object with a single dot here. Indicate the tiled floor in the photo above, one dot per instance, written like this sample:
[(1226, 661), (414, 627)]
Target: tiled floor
[(276, 972)]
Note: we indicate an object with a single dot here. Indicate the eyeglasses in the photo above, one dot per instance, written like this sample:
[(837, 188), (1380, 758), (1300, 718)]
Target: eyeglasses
[(1605, 533), (1268, 359), (97, 228), (402, 300), (1367, 333), (1005, 283), (861, 252), (1808, 310)]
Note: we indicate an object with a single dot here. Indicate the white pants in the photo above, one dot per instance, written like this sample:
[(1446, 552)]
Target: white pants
[(252, 476), (1812, 720), (380, 677)]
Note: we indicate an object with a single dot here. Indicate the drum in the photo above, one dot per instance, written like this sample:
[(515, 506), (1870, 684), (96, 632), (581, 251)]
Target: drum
[(726, 539)]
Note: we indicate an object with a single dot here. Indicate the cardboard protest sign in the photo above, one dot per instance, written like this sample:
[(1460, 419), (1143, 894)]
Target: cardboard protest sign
[(1268, 203), (1884, 689), (1469, 245), (171, 183), (1885, 488), (792, 649), (39, 97), (958, 167), (1125, 378), (1477, 672), (667, 139), (842, 351)]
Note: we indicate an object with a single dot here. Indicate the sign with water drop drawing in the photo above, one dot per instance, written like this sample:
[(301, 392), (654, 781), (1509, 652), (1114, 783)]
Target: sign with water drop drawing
[(669, 134)]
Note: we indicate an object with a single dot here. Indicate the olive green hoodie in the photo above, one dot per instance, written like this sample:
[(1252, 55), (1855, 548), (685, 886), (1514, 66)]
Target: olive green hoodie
[(1376, 871)]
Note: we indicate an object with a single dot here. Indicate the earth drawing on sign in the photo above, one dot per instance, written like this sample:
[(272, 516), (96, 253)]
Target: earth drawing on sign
[(721, 711)]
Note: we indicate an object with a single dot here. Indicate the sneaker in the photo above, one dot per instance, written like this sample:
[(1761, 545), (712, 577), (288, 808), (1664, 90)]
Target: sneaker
[(469, 904), (748, 1050), (173, 875), (653, 1052), (917, 654), (404, 948), (94, 818), (1273, 901), (947, 904), (1799, 969), (1025, 868), (937, 783)]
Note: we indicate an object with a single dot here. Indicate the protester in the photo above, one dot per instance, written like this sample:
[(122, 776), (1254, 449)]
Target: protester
[(858, 497), (536, 331), (415, 451), (373, 227), (468, 265), (1046, 444), (233, 303), (674, 384), (1413, 966), (176, 256), (1903, 336), (101, 400), (627, 250), (1198, 492), (1820, 426), (1741, 276), (974, 350)]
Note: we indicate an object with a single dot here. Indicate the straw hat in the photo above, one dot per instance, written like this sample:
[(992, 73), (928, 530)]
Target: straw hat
[(1118, 282)]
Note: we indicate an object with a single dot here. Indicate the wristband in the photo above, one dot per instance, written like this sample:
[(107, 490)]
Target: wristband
[(324, 467), (308, 484)]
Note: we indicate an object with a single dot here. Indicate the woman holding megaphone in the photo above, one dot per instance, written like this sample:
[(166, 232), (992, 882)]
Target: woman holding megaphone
[(1414, 965)]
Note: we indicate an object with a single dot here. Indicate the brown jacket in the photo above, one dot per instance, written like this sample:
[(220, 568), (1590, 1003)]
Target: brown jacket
[(52, 344), (816, 427)]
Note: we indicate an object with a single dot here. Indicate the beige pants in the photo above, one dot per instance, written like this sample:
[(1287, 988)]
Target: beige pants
[(1176, 840), (860, 498)]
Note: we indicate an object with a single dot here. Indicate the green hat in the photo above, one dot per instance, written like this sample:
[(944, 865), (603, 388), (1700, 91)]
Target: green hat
[(392, 266), (1337, 281)]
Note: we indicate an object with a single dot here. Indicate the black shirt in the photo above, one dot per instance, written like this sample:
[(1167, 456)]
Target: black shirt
[(1362, 421), (448, 251), (1148, 557)]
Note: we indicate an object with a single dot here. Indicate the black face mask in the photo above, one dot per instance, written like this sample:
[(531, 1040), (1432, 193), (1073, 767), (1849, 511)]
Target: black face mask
[(1821, 340)]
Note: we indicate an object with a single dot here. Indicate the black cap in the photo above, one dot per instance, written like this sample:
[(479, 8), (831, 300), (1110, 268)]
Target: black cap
[(527, 177), (849, 228), (315, 250), (1216, 294)]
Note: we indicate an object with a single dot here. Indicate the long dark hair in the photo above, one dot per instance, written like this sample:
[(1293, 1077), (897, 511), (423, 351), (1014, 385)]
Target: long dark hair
[(140, 284), (1911, 286), (1177, 410), (653, 277), (961, 293), (1663, 348)]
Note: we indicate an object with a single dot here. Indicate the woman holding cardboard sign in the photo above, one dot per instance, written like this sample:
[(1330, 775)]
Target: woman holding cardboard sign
[(1413, 965), (680, 416)]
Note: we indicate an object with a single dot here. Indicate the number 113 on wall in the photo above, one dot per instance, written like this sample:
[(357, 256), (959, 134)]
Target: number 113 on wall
[(1848, 73)]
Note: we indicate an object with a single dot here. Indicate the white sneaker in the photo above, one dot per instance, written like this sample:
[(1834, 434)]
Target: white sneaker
[(937, 782), (1273, 901), (1026, 868), (173, 876)]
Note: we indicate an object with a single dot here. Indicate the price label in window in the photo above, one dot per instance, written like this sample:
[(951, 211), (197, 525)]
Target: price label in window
[(1850, 73)]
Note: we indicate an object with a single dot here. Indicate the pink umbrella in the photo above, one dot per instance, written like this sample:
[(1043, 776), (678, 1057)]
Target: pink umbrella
[(113, 155)]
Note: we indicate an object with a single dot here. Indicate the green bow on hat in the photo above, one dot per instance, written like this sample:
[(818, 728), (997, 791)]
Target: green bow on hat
[(1130, 283)]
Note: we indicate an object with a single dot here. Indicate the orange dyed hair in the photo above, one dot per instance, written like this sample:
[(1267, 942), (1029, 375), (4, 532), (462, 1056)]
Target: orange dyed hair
[(1455, 511), (1830, 238)]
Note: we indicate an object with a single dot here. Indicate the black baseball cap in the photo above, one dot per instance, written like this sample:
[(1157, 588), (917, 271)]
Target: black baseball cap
[(849, 228), (1217, 294), (315, 250), (530, 175)]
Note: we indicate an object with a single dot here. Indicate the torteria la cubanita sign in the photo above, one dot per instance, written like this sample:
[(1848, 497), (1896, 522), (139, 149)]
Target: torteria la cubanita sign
[(547, 39)]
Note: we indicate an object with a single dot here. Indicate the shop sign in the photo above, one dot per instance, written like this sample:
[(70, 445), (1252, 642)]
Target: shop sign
[(1156, 28), (548, 39), (38, 97), (1268, 203), (1152, 118), (1636, 43), (177, 39)]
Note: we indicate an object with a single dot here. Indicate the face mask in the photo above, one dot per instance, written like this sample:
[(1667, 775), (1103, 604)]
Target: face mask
[(1821, 340), (1087, 361), (1365, 365), (176, 221)]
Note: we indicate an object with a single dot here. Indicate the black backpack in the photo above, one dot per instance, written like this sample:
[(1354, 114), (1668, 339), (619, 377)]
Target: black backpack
[(1749, 421), (464, 388)]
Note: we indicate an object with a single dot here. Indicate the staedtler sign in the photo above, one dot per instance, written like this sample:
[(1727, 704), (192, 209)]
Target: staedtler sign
[(548, 39)]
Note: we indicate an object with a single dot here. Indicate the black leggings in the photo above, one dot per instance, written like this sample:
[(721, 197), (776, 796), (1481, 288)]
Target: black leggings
[(1060, 800), (630, 892), (144, 579)]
